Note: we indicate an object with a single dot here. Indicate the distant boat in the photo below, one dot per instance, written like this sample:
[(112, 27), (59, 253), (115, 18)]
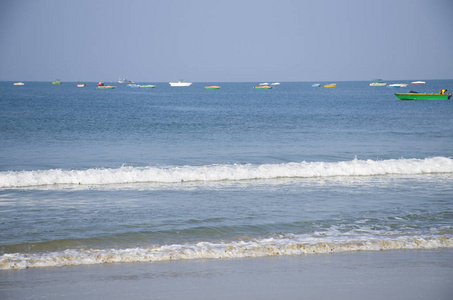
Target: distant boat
[(81, 84), (422, 96), (212, 87), (264, 83), (102, 86), (124, 80), (262, 87), (146, 86), (57, 82), (180, 83), (133, 85), (316, 85), (397, 85), (275, 83), (378, 84), (417, 82), (18, 83), (330, 85), (106, 87)]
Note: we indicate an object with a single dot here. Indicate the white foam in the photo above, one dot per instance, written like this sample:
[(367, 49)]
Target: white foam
[(232, 172), (207, 250)]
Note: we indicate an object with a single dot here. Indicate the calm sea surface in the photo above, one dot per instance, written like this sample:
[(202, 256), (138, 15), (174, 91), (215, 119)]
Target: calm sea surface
[(93, 176)]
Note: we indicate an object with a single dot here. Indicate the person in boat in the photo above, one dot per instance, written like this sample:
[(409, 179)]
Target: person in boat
[(443, 91)]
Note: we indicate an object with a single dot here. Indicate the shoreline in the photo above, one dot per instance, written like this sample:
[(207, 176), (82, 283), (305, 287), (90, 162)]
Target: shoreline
[(396, 274)]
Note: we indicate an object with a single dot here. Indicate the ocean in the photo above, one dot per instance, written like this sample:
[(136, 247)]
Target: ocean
[(96, 177)]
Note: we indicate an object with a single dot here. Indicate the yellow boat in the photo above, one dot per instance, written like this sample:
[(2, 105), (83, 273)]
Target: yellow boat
[(331, 85)]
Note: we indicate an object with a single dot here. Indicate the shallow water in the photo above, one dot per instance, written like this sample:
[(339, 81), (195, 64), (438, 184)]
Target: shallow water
[(100, 176)]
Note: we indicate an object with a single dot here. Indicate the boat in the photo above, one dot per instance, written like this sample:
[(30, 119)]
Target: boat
[(263, 87), (102, 86), (57, 82), (316, 85), (81, 84), (133, 85), (106, 87), (397, 85), (422, 96), (146, 86), (330, 85), (418, 82), (18, 83), (378, 84), (275, 83), (212, 87), (180, 83), (124, 80), (264, 83)]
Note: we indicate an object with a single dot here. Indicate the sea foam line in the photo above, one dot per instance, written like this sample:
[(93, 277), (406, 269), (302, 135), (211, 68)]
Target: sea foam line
[(206, 250), (220, 172)]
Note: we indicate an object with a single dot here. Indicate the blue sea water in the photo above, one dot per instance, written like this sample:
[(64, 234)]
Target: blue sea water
[(93, 176)]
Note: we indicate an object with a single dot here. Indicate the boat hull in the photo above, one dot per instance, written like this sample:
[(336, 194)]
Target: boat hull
[(378, 84), (422, 96), (332, 85), (106, 87), (180, 83), (149, 86), (263, 87)]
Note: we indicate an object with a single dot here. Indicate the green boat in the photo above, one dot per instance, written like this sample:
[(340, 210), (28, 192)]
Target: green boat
[(148, 86), (212, 87), (263, 87), (105, 87), (57, 82), (422, 96)]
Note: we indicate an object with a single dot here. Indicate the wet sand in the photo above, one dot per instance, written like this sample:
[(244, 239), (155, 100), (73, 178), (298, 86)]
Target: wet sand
[(409, 274)]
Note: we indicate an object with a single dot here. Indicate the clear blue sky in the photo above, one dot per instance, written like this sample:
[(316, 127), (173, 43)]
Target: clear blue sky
[(217, 41)]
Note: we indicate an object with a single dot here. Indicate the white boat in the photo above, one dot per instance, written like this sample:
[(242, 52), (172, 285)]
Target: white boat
[(81, 84), (397, 85), (264, 83), (18, 83), (417, 82), (275, 83), (124, 80), (180, 83)]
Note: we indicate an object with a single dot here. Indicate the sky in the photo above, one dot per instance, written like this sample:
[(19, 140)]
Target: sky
[(225, 41)]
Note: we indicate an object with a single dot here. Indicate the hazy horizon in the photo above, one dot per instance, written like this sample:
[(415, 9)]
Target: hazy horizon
[(235, 41)]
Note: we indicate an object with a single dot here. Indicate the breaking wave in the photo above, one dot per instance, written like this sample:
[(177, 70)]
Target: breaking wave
[(222, 172), (209, 250)]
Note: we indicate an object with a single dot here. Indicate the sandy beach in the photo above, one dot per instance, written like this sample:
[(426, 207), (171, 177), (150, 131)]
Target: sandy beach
[(413, 274)]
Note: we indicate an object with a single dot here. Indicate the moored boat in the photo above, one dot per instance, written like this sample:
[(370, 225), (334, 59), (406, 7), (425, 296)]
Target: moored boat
[(417, 82), (105, 87), (146, 86), (422, 96), (378, 84), (124, 80), (316, 85), (275, 83), (56, 82), (133, 85), (102, 86), (263, 87), (81, 84), (212, 87), (330, 85), (397, 85), (180, 83), (18, 83)]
